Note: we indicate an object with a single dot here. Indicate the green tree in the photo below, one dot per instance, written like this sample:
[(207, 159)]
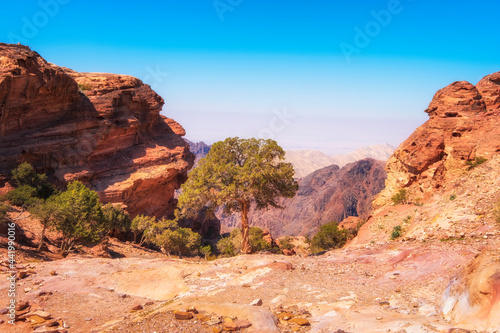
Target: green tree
[(78, 215), (30, 186), (236, 173), (141, 224), (45, 211)]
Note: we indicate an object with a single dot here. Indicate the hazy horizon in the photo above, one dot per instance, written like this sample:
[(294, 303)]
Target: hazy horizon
[(328, 76)]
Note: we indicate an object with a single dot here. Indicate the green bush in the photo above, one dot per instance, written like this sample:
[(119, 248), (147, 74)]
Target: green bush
[(328, 237), (3, 216), (206, 250), (84, 86), (115, 218), (182, 241), (400, 198), (286, 243), (396, 232), (453, 197), (23, 196), (30, 186), (139, 225), (478, 160), (226, 247), (78, 215)]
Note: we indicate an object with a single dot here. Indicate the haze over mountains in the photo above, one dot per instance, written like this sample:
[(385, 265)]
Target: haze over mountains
[(308, 161)]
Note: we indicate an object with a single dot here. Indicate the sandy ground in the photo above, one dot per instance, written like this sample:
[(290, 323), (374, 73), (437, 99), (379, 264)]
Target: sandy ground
[(386, 287)]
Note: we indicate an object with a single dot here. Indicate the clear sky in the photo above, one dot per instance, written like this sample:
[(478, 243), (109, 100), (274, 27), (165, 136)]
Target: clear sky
[(327, 75)]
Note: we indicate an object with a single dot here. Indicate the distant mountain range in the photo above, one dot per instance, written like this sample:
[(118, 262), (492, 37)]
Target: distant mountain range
[(326, 195), (308, 161)]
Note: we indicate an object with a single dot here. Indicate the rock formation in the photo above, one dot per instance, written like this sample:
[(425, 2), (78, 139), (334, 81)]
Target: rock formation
[(462, 126), (329, 194), (102, 129), (473, 297)]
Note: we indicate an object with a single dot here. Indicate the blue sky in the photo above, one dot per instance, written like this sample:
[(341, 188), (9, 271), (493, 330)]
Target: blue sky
[(274, 69)]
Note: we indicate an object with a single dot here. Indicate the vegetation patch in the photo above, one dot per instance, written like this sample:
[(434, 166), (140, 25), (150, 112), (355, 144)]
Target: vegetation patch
[(84, 86), (397, 232), (478, 160), (328, 237), (401, 197)]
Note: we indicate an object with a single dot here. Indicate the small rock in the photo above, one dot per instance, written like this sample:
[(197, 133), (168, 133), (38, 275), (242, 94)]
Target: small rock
[(379, 318), (214, 320), (384, 303), (192, 310), (53, 273), (22, 274), (43, 314), (202, 317), (35, 320), (21, 305), (88, 319), (149, 303), (137, 308), (183, 315), (301, 321), (256, 302), (122, 295), (243, 324), (230, 326), (27, 290), (4, 311), (216, 330), (458, 330)]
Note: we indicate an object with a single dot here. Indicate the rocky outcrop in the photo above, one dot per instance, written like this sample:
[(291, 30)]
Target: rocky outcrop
[(329, 194), (102, 129), (462, 126), (473, 298)]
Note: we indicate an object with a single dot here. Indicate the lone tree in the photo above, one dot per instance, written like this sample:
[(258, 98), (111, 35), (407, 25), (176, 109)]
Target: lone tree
[(236, 173)]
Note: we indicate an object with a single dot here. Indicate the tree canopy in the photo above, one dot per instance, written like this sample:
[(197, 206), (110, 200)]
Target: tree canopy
[(236, 173)]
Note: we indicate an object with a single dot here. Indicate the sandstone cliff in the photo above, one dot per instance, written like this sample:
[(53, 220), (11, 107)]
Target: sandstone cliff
[(102, 129), (463, 124), (326, 195)]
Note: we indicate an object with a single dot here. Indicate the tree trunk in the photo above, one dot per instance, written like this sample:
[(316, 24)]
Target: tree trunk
[(245, 246), (40, 245)]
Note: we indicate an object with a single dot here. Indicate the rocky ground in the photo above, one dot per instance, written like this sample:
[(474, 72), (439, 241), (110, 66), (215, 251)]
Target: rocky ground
[(383, 287)]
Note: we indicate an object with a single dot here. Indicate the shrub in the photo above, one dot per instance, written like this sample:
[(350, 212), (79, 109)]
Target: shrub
[(206, 250), (115, 218), (182, 241), (226, 247), (286, 243), (78, 215), (400, 198), (24, 196), (329, 237), (453, 197), (3, 216), (478, 160), (256, 240), (396, 232), (31, 186), (139, 225), (84, 86)]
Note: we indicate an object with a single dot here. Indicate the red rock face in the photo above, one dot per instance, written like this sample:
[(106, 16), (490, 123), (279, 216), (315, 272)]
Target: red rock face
[(463, 124), (102, 129)]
